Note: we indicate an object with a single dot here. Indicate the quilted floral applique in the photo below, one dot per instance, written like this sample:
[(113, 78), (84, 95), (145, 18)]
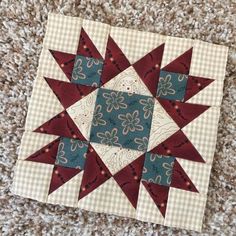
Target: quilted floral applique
[(125, 113), (114, 100), (158, 169), (87, 71), (71, 153), (172, 86), (130, 122)]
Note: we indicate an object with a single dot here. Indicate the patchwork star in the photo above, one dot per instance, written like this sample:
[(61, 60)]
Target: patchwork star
[(122, 119)]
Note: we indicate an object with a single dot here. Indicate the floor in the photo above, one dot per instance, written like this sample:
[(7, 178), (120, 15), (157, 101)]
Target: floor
[(21, 38)]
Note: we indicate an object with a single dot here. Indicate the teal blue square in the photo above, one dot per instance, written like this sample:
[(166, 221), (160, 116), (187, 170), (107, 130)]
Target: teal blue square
[(71, 153), (122, 119), (158, 169), (87, 71), (172, 86)]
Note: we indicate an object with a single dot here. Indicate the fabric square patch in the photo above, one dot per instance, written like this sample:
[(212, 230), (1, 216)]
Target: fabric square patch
[(158, 169), (123, 122), (87, 71), (172, 86), (122, 119), (71, 153)]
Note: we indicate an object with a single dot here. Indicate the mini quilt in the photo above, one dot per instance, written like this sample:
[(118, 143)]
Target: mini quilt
[(122, 122)]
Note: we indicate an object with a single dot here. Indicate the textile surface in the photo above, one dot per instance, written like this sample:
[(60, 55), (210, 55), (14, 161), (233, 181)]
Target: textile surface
[(133, 56)]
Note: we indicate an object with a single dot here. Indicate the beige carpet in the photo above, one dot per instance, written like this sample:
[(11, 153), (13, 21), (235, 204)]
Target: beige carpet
[(22, 31)]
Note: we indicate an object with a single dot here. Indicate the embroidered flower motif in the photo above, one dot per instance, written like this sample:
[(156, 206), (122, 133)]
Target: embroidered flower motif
[(148, 105), (78, 70), (130, 122), (61, 154), (97, 117), (165, 86), (77, 144), (114, 100), (142, 143), (92, 61), (109, 138)]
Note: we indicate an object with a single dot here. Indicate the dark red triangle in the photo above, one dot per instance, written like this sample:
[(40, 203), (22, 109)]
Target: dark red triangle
[(61, 125), (68, 93), (86, 47), (47, 154), (60, 175), (159, 194), (180, 179), (181, 64), (182, 113), (65, 61), (195, 85), (129, 179), (148, 68), (95, 173), (115, 61), (178, 145)]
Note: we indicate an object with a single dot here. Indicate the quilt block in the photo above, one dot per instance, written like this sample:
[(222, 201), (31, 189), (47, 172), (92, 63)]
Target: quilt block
[(122, 122)]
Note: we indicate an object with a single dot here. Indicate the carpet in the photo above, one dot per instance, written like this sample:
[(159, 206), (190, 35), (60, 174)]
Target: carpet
[(22, 31)]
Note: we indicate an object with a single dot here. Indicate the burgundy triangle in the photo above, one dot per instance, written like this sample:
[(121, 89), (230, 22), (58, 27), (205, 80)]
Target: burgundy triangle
[(129, 179), (86, 47), (148, 68), (60, 175), (61, 125), (159, 194), (178, 145), (47, 154), (182, 113), (195, 85), (68, 93), (95, 173), (180, 179), (65, 61), (181, 64), (115, 61)]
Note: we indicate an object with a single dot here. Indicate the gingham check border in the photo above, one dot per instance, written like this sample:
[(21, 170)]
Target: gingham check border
[(146, 209), (209, 60), (135, 44), (108, 198), (68, 193), (40, 110), (31, 142), (185, 209), (203, 133), (32, 180), (199, 173)]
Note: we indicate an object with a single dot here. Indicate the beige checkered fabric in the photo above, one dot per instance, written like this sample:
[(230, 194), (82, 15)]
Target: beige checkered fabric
[(147, 209), (31, 142), (49, 68), (68, 193), (174, 47), (32, 179), (211, 95), (199, 173), (62, 33), (135, 44), (202, 132), (98, 33), (209, 60), (40, 109), (108, 198), (185, 209)]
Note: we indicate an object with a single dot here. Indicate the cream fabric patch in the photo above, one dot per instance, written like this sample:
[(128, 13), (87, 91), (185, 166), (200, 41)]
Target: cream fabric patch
[(122, 122)]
